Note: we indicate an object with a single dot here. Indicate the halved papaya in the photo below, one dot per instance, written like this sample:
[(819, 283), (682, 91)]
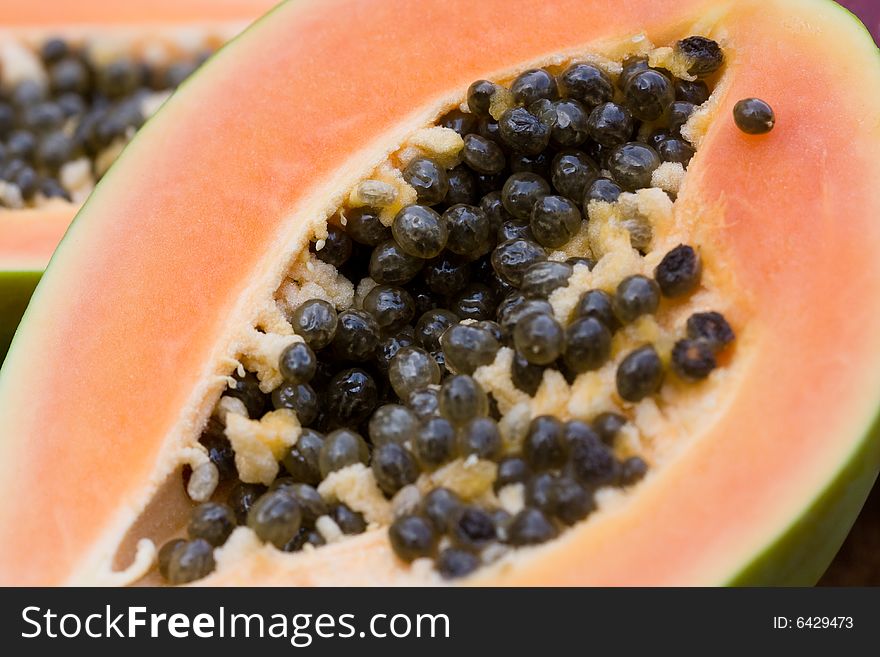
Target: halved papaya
[(165, 34), (755, 472)]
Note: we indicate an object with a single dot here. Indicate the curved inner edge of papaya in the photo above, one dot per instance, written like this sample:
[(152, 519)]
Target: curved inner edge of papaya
[(756, 340)]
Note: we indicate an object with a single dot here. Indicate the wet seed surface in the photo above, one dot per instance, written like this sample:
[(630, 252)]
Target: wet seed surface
[(66, 111), (460, 278)]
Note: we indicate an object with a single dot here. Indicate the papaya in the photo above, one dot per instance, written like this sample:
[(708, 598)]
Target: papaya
[(167, 38), (469, 292)]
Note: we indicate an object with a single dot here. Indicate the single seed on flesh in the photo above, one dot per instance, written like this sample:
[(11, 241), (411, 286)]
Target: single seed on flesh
[(693, 359), (342, 448), (428, 179), (420, 231), (315, 321), (587, 83), (469, 231), (391, 307), (302, 459), (301, 398), (392, 423), (555, 221), (483, 155), (704, 56), (572, 172), (539, 338), (337, 247), (350, 397), (754, 116), (411, 537), (297, 363), (412, 369), (532, 85), (480, 437), (523, 131), (530, 527), (349, 521), (648, 95), (710, 327), (636, 295), (602, 189), (276, 517), (393, 467), (607, 425), (587, 345), (544, 447), (679, 272), (468, 347), (212, 522), (190, 562), (512, 258), (610, 124), (462, 398), (632, 164), (357, 335), (453, 563), (434, 442), (391, 265), (640, 374)]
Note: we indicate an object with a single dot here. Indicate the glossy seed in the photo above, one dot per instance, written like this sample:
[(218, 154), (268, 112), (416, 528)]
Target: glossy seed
[(754, 116), (523, 131), (412, 369), (530, 527), (392, 307), (710, 327), (342, 448), (212, 522), (679, 272), (316, 321), (693, 359), (420, 231), (588, 83), (276, 517), (411, 537), (434, 442), (393, 467), (632, 164), (468, 347), (392, 423), (539, 338), (302, 460), (640, 374), (350, 398), (510, 259), (480, 437), (542, 278), (462, 398), (534, 84), (544, 447), (587, 345), (469, 230), (428, 179), (636, 295), (297, 363), (190, 562)]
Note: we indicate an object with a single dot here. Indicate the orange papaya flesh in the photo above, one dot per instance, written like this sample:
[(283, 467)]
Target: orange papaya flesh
[(29, 235), (122, 352)]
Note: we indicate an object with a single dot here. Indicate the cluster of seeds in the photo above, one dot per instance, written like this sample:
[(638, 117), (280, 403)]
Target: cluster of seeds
[(65, 115), (463, 272)]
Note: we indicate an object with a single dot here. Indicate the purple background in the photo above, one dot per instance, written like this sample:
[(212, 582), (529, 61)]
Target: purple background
[(868, 11)]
